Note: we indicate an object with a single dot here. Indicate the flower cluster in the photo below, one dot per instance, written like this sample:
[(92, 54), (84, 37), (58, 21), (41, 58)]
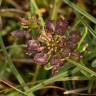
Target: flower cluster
[(53, 45)]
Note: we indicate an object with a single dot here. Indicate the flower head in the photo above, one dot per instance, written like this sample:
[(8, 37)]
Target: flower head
[(51, 45)]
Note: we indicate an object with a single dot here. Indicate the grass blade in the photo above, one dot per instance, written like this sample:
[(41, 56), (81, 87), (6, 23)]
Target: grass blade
[(48, 81), (81, 11), (80, 66), (34, 9), (11, 65)]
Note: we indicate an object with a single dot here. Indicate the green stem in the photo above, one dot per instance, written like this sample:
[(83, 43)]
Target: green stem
[(36, 73), (78, 21), (82, 20), (12, 46), (90, 85), (56, 6), (89, 28), (83, 37), (34, 9)]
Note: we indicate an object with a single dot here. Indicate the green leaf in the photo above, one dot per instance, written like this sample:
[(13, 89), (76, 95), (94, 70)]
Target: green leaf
[(13, 94), (85, 73), (48, 66), (82, 67), (64, 68), (94, 63)]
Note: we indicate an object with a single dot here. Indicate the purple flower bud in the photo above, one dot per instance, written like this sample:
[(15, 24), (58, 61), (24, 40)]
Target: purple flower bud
[(41, 58), (33, 46), (74, 36), (56, 61), (61, 26), (50, 26), (19, 33)]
